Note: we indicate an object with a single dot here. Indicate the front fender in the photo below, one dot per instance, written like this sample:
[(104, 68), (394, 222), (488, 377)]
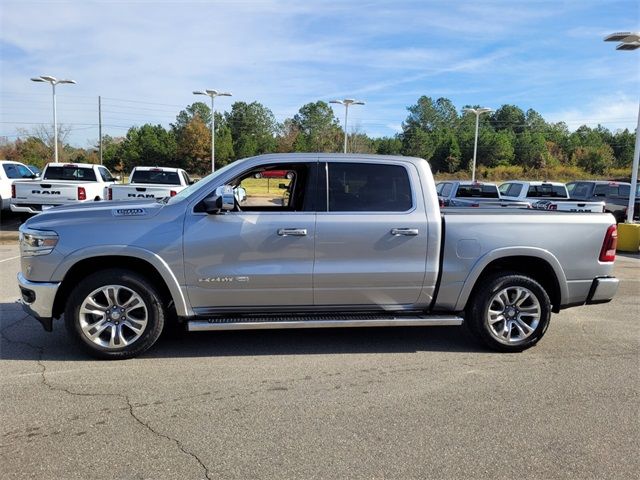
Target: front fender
[(499, 253), (182, 307)]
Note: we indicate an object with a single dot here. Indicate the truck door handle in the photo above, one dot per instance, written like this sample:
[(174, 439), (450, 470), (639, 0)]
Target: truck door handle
[(409, 232), (292, 232)]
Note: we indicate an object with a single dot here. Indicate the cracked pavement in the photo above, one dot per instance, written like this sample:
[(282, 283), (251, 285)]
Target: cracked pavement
[(369, 403)]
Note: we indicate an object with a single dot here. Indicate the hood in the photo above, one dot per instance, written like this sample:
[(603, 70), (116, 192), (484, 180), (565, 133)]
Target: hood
[(95, 213)]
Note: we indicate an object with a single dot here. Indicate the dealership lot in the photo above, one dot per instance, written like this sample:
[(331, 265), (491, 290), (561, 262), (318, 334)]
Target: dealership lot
[(370, 403)]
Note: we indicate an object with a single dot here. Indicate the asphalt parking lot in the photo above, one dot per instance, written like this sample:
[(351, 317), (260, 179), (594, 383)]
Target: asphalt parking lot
[(361, 403)]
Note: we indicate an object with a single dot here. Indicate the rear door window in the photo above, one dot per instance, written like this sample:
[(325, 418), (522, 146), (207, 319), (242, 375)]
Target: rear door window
[(15, 170), (368, 187)]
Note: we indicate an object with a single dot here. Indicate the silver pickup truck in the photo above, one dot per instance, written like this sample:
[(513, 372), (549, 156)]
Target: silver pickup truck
[(348, 241)]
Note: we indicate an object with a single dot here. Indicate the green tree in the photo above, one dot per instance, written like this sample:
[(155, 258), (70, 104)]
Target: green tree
[(623, 147), (253, 129), (418, 143), (388, 145), (447, 155), (596, 160), (530, 150), (508, 117), (319, 128), (196, 109), (148, 145)]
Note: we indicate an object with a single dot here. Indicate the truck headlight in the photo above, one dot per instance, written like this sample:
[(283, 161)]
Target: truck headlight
[(37, 242)]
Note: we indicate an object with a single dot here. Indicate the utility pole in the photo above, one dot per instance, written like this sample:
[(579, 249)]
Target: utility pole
[(212, 94), (100, 126)]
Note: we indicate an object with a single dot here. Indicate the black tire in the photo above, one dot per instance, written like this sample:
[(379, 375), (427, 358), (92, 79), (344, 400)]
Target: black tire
[(491, 293), (152, 310)]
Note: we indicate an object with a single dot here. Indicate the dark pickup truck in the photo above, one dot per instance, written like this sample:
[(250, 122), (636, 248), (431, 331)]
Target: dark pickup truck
[(615, 195)]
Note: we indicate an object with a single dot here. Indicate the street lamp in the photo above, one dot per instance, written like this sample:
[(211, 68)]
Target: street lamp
[(346, 102), (477, 112), (213, 94), (53, 81), (630, 41)]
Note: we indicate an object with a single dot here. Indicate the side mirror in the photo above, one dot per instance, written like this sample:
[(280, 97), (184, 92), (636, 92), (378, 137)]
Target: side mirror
[(223, 200)]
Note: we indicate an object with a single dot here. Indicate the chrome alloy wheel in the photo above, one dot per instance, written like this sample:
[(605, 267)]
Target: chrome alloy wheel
[(113, 316), (513, 314)]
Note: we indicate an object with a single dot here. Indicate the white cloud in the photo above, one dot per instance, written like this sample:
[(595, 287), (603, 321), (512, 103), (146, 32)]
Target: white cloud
[(616, 111)]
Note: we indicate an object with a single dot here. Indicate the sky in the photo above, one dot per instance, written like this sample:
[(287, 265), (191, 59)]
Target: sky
[(144, 58)]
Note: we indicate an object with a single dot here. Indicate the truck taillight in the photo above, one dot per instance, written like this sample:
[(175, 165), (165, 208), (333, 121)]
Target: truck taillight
[(82, 193), (173, 193), (109, 194), (13, 191), (608, 252)]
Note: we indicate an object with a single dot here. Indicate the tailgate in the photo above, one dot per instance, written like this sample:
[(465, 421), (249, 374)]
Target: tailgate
[(46, 193), (139, 192), (569, 206)]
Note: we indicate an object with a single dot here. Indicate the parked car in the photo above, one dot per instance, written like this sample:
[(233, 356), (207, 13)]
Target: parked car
[(274, 174), (472, 194), (361, 241), (11, 171), (61, 184), (152, 183), (614, 194), (546, 196)]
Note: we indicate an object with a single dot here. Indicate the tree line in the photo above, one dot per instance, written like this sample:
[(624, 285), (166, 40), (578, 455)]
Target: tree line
[(433, 129)]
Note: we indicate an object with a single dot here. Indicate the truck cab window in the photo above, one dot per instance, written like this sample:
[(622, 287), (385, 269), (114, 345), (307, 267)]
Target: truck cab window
[(275, 188), (368, 187)]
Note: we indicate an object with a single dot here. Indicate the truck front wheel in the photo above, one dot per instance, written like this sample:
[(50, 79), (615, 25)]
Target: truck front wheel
[(509, 312), (115, 314)]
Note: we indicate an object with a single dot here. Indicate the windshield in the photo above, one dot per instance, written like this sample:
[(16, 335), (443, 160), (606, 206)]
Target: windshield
[(156, 177), (196, 187)]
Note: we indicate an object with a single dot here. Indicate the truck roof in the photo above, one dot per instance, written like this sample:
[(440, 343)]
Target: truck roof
[(535, 183), (77, 165), (161, 169)]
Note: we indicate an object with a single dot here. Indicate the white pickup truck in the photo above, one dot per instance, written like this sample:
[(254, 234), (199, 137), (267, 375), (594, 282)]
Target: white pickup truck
[(151, 182), (547, 196), (61, 184), (11, 171)]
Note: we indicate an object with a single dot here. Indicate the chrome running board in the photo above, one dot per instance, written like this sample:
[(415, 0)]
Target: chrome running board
[(321, 321)]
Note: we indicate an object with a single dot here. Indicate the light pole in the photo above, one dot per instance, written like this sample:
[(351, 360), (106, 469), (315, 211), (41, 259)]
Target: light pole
[(477, 112), (630, 41), (346, 102), (212, 94), (53, 81)]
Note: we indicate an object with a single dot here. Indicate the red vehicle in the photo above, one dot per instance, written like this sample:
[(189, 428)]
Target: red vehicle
[(275, 174)]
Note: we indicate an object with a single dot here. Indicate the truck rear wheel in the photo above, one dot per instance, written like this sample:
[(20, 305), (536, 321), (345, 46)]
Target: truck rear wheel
[(115, 314), (509, 312)]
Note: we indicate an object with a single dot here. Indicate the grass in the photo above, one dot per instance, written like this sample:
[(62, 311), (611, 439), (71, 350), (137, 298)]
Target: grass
[(264, 187)]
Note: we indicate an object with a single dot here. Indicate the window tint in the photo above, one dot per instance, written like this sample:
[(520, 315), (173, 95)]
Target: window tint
[(368, 187), (514, 190), (600, 190), (439, 188), (478, 191), (69, 172), (15, 170), (105, 174), (624, 190), (547, 190), (156, 177), (446, 189), (579, 190)]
